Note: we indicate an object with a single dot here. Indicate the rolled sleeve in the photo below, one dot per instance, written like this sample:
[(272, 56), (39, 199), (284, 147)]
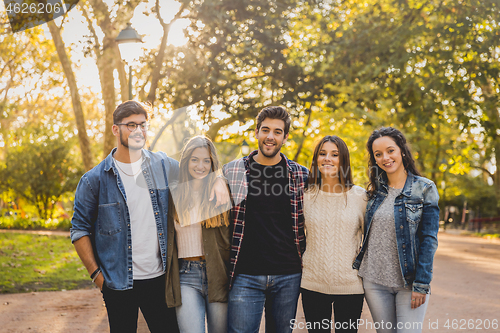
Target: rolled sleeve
[(85, 210), (421, 288)]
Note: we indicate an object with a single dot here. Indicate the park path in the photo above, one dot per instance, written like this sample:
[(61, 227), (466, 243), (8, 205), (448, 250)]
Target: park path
[(465, 288)]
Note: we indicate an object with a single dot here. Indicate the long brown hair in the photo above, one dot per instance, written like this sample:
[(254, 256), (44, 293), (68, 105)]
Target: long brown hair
[(374, 171), (212, 216), (344, 174)]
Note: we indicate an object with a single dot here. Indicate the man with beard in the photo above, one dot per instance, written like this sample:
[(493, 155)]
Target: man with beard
[(119, 225), (268, 230)]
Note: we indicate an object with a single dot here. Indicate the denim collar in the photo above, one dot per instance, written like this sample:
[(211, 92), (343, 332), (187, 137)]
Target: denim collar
[(109, 163), (382, 180)]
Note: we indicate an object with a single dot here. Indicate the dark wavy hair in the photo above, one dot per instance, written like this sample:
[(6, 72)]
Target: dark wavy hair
[(345, 174), (274, 112), (374, 171), (128, 108)]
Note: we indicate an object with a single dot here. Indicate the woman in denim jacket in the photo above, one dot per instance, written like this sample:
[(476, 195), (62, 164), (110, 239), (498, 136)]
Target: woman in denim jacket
[(401, 227)]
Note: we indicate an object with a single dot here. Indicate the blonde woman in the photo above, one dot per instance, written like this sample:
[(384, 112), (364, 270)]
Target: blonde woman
[(201, 246)]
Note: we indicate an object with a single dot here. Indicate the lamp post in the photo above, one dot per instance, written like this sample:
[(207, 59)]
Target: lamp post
[(245, 148), (127, 40)]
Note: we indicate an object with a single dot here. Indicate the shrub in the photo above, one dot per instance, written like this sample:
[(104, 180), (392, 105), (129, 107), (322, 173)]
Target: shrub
[(13, 222)]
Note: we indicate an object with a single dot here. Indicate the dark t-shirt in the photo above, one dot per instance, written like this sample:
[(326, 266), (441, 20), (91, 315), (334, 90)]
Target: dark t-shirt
[(268, 246)]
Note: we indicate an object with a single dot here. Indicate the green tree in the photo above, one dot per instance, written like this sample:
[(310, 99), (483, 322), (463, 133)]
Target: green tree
[(40, 168)]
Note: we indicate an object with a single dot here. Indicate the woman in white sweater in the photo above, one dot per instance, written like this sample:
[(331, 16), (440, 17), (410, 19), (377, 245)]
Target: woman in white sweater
[(333, 209)]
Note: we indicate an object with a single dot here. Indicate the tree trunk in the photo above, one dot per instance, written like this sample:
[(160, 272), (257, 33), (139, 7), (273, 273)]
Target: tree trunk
[(75, 96), (109, 57), (158, 65), (242, 116), (105, 64), (122, 76), (155, 77), (176, 114), (302, 139)]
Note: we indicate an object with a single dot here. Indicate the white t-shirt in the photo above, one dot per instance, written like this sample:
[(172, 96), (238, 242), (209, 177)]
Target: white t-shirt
[(146, 259)]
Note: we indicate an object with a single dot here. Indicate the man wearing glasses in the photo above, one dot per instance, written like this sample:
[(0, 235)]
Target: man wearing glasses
[(119, 225)]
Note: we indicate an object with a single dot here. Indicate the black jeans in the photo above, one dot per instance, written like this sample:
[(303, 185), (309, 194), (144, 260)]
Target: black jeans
[(318, 311), (149, 296)]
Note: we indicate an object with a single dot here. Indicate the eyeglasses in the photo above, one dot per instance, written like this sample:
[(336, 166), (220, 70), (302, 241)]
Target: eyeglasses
[(133, 126)]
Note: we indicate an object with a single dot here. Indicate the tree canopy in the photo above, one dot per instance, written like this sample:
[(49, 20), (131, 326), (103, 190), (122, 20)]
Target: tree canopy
[(428, 67)]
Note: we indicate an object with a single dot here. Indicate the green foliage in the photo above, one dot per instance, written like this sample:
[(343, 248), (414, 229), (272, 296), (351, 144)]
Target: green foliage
[(12, 222), (430, 68), (486, 235), (39, 168), (39, 263)]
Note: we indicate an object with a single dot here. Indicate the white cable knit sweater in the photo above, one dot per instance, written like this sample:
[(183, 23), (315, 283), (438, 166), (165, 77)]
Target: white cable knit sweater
[(333, 233)]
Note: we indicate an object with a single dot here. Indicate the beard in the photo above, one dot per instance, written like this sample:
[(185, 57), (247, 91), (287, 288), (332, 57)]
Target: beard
[(273, 152), (124, 140)]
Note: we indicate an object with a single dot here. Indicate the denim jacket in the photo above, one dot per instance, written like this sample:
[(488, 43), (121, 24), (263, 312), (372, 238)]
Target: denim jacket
[(101, 212), (416, 217)]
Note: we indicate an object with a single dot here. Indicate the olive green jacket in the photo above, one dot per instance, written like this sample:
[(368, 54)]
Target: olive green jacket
[(216, 246)]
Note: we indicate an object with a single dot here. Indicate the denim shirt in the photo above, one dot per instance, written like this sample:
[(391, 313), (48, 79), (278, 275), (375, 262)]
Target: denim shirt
[(101, 212), (416, 217)]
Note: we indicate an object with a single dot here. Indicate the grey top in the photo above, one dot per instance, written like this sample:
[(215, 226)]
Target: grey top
[(381, 261)]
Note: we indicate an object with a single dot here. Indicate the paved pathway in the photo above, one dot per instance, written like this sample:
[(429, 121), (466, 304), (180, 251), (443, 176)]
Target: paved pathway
[(466, 288)]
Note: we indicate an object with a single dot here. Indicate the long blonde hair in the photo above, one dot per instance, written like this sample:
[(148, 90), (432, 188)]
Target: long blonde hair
[(212, 216)]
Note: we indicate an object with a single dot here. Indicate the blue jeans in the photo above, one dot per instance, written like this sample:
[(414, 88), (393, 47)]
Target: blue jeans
[(195, 306), (391, 309), (250, 294)]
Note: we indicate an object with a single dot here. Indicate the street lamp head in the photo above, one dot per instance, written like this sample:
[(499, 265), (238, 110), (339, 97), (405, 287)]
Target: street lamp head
[(127, 43), (245, 148), (128, 35)]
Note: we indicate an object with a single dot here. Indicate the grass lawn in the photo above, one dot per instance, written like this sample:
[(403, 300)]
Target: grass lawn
[(39, 263)]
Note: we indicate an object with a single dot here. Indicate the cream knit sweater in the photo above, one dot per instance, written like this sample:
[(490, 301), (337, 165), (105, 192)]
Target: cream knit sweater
[(333, 233)]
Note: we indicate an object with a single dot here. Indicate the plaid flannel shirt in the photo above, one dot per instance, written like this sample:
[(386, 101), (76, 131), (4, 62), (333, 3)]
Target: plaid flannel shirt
[(236, 173)]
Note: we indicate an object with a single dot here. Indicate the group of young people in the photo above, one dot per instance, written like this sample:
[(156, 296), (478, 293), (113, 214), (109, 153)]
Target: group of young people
[(152, 236)]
